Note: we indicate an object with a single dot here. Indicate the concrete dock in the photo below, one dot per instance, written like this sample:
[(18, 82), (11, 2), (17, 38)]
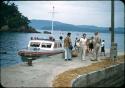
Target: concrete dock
[(42, 72)]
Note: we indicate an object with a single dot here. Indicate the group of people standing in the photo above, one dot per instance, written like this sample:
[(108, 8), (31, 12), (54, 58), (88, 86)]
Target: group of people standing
[(84, 46)]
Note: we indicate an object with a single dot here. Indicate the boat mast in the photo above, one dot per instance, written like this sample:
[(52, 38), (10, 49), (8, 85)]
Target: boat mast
[(52, 20)]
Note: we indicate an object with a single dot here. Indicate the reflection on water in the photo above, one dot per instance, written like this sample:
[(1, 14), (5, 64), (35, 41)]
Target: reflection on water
[(11, 43)]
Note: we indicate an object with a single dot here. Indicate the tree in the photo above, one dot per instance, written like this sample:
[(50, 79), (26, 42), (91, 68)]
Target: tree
[(11, 17)]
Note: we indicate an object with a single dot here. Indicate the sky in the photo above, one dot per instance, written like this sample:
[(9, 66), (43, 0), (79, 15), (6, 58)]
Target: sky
[(97, 13)]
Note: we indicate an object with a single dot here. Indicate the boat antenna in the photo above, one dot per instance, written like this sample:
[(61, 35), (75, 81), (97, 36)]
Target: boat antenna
[(53, 13)]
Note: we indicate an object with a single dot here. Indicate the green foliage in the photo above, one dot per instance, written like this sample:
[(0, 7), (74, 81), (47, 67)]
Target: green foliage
[(12, 18)]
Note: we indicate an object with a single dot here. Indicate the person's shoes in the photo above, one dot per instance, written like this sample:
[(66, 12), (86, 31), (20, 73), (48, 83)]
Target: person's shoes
[(69, 59), (93, 59), (66, 60)]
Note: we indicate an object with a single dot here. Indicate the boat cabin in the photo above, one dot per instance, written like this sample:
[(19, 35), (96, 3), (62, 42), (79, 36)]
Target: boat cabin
[(44, 44)]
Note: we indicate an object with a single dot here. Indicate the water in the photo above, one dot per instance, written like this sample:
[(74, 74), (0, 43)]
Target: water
[(13, 42)]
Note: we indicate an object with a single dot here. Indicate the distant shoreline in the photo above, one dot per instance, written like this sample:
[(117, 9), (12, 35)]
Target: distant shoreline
[(84, 31), (56, 30), (46, 25), (87, 31)]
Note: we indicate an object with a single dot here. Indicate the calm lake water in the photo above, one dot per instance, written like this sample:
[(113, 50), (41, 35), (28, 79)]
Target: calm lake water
[(13, 42)]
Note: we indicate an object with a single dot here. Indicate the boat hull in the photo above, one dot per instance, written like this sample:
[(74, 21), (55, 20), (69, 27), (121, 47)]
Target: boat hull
[(39, 53)]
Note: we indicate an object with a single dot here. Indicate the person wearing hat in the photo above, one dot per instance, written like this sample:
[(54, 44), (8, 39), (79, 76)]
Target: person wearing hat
[(67, 44), (83, 46)]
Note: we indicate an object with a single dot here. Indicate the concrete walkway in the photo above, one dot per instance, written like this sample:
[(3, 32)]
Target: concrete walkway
[(41, 73)]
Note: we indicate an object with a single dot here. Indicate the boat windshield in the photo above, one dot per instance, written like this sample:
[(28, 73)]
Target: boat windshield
[(46, 45), (34, 44)]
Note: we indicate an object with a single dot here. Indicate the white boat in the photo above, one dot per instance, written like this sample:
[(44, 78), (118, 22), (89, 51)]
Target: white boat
[(38, 47), (41, 47)]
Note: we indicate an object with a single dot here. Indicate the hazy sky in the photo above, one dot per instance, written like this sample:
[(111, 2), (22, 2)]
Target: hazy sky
[(96, 13)]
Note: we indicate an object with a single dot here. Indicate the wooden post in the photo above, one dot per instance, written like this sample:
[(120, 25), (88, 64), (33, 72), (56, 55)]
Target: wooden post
[(113, 50), (112, 22), (29, 61)]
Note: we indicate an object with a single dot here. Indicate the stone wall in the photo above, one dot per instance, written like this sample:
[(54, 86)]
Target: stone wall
[(112, 76)]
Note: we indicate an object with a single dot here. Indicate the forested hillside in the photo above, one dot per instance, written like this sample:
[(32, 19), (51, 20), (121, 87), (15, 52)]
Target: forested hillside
[(11, 20)]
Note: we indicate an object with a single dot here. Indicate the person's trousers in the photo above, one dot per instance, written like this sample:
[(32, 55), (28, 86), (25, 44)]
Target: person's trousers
[(83, 53), (67, 53), (96, 50)]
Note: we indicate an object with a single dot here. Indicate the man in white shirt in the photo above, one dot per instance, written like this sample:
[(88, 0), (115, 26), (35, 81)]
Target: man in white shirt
[(83, 46)]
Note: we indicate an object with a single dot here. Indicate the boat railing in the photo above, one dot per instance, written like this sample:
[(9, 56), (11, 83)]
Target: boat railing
[(50, 39)]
